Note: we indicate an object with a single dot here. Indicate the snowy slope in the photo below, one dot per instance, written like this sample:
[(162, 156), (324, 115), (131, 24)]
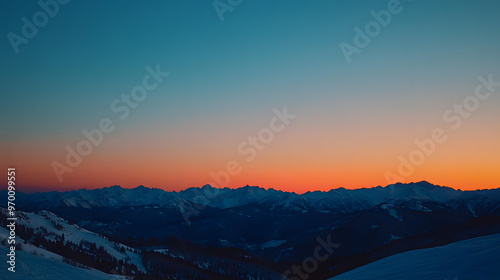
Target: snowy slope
[(29, 248), (33, 267), (36, 263), (47, 220), (475, 258)]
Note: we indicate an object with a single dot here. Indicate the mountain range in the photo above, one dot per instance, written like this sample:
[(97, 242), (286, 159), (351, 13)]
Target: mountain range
[(336, 200)]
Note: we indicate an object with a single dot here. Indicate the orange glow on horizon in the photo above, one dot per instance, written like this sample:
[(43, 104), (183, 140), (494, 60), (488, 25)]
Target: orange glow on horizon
[(295, 161)]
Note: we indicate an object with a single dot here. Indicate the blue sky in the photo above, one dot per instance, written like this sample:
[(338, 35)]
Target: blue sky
[(227, 76)]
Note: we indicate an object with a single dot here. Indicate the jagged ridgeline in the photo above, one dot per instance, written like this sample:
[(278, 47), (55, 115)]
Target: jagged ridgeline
[(208, 233)]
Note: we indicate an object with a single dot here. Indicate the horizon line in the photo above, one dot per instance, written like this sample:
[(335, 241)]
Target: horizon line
[(36, 190)]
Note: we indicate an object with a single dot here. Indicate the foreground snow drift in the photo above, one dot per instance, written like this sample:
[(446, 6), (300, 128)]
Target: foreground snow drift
[(33, 267), (475, 258)]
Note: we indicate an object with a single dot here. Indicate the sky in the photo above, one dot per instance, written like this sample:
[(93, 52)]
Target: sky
[(331, 96)]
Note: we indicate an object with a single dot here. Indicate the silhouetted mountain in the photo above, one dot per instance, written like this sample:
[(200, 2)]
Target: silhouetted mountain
[(282, 227), (336, 200)]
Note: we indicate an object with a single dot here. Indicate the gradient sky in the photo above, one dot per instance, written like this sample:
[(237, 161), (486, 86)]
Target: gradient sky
[(353, 119)]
